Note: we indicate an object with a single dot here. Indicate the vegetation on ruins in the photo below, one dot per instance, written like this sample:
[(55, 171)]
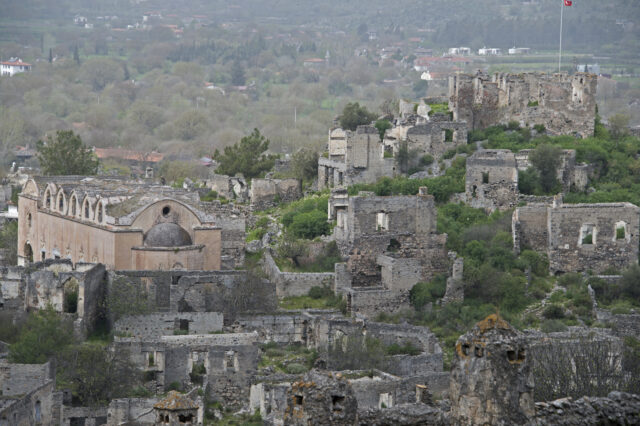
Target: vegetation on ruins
[(9, 242), (290, 359), (317, 298), (354, 115), (616, 166), (546, 159), (66, 154), (43, 335), (246, 157)]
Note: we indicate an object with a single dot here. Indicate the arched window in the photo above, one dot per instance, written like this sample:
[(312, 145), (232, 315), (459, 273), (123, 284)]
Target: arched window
[(47, 199), (73, 202), (87, 209), (61, 202), (100, 213), (29, 220)]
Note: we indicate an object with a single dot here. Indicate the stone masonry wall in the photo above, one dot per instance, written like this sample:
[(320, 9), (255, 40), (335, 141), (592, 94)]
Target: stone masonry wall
[(294, 283), (156, 325), (266, 193)]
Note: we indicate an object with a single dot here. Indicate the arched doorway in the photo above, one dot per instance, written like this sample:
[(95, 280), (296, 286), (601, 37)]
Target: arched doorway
[(28, 252)]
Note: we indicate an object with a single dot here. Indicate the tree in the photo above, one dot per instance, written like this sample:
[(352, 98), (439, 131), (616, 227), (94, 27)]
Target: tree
[(99, 72), (248, 157), (66, 155), (546, 159), (619, 125), (292, 248), (310, 225), (382, 126), (190, 124), (9, 242), (304, 164), (354, 115), (237, 73), (44, 334), (95, 374)]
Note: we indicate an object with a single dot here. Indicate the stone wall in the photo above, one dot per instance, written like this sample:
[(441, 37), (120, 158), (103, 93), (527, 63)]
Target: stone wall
[(138, 410), (436, 138), (266, 193), (88, 416), (163, 324), (294, 283), (39, 406), (564, 104), (232, 219), (354, 157), (617, 408), (580, 237), (228, 292), (17, 379), (491, 180), (623, 325)]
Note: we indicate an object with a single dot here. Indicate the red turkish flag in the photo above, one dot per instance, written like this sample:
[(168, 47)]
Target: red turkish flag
[(568, 2)]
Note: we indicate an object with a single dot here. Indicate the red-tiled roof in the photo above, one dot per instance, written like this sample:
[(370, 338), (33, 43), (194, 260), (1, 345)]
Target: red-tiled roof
[(125, 154), (16, 63)]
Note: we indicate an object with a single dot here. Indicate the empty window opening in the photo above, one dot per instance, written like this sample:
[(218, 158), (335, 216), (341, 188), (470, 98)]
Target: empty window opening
[(588, 235), (43, 255), (28, 252), (86, 210), (337, 402), (448, 135), (521, 355), (479, 351), (70, 303), (621, 231), (297, 399), (151, 359), (74, 200), (394, 246), (511, 356), (485, 177), (185, 418), (38, 413), (465, 349), (166, 210), (29, 220), (47, 200), (230, 361), (382, 221), (620, 234), (184, 325), (100, 213), (473, 191), (61, 203)]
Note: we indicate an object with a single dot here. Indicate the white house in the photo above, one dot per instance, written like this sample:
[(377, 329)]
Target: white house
[(519, 50), (13, 66), (485, 51)]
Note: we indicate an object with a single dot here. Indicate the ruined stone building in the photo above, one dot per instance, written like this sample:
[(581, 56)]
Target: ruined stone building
[(579, 237), (121, 224), (433, 137), (564, 104), (391, 244), (354, 157), (491, 180)]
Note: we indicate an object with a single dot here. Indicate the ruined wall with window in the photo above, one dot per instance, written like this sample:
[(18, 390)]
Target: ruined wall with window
[(580, 237), (354, 157), (396, 227), (491, 180), (564, 104), (436, 137)]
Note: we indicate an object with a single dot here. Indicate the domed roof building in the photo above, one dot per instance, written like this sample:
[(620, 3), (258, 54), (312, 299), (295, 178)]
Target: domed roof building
[(124, 224)]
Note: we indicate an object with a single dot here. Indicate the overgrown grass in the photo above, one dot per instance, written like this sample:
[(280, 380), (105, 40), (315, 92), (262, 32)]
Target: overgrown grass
[(291, 359)]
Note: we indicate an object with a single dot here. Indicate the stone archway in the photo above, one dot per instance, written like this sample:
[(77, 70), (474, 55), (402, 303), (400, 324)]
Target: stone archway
[(28, 252)]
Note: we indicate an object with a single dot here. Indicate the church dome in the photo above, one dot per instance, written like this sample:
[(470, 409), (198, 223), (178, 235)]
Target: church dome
[(167, 235)]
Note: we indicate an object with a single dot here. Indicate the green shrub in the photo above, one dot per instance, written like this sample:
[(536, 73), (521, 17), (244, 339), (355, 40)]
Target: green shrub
[(553, 312), (295, 368), (255, 234), (426, 160), (449, 153), (552, 326), (448, 135), (175, 386), (532, 104), (209, 196), (310, 225), (513, 125), (320, 292), (539, 128), (425, 292)]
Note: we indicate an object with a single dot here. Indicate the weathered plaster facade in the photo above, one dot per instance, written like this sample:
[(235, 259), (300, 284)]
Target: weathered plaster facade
[(122, 224)]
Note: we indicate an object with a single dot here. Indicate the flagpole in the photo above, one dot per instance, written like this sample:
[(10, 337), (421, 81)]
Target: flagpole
[(560, 51)]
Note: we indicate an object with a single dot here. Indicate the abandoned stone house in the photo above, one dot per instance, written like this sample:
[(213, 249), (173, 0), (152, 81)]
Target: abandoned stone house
[(579, 237), (564, 104), (354, 157), (261, 193), (121, 224), (391, 243), (491, 180)]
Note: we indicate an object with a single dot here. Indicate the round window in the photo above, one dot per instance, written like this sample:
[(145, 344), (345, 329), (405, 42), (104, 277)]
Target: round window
[(166, 210)]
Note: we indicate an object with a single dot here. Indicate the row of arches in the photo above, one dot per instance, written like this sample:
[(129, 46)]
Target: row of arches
[(88, 209)]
